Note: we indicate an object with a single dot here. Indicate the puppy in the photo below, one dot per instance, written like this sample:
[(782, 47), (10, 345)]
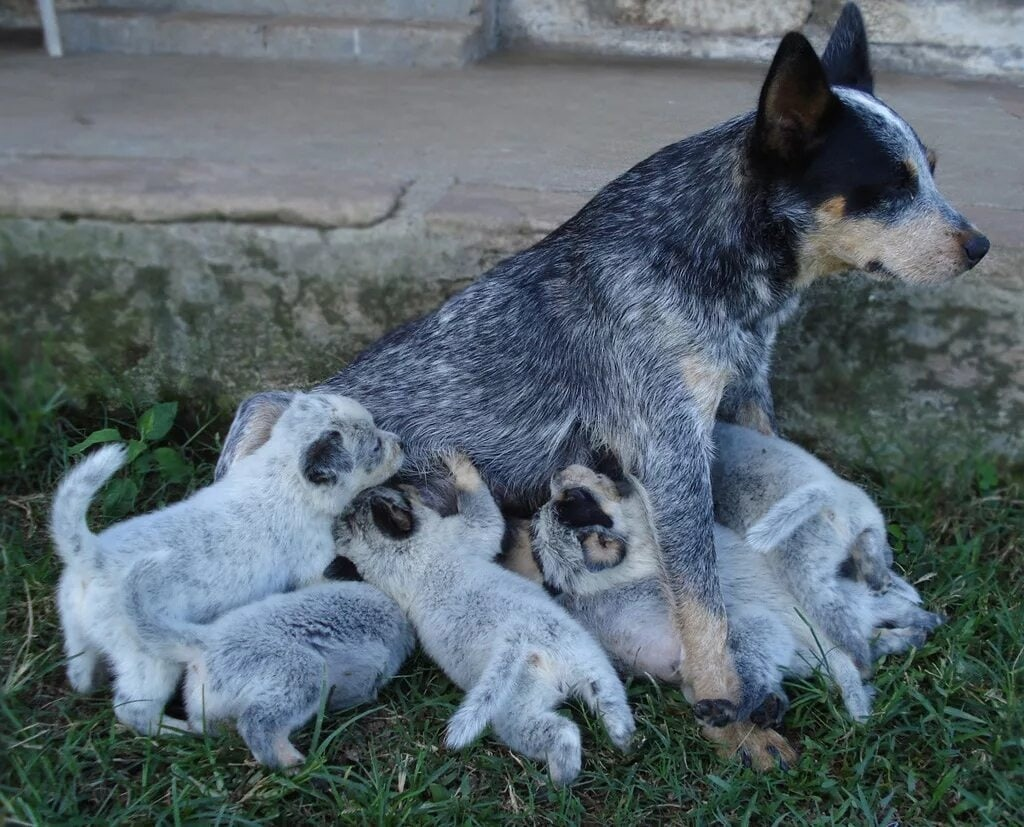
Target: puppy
[(810, 524), (498, 636), (268, 664), (133, 593), (607, 572)]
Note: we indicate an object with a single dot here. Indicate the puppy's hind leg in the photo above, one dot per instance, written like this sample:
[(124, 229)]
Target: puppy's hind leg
[(85, 666), (543, 736)]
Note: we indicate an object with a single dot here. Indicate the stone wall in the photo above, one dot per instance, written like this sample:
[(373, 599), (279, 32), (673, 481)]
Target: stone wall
[(954, 37)]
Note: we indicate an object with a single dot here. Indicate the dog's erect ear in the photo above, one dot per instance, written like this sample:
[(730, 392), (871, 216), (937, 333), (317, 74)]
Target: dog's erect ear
[(846, 59), (251, 427), (796, 103), (326, 460), (392, 514), (602, 549)]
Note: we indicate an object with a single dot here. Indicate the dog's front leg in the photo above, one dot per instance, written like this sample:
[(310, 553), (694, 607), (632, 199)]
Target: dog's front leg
[(675, 470)]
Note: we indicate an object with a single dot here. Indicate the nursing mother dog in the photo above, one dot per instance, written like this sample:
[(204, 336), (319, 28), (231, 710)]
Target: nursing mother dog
[(656, 307)]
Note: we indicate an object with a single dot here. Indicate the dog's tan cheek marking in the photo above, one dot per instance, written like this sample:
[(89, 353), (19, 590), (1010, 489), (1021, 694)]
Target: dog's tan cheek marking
[(708, 671), (706, 381)]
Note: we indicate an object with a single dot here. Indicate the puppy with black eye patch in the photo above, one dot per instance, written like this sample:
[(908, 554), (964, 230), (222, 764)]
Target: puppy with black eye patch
[(501, 638), (132, 595), (607, 577)]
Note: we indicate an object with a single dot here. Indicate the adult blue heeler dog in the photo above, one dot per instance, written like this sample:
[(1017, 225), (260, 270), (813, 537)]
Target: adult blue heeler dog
[(656, 307)]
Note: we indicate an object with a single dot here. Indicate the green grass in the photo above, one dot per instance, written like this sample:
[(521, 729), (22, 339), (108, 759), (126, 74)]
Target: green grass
[(945, 745)]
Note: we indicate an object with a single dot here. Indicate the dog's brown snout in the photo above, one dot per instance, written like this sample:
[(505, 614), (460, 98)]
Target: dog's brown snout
[(975, 247)]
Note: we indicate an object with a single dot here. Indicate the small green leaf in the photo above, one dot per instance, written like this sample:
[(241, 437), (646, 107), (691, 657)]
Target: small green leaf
[(120, 497), (95, 438), (988, 477), (157, 421), (134, 449), (173, 468)]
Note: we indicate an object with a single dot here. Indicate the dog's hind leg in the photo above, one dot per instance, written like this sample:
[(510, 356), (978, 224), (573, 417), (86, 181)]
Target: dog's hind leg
[(857, 696), (266, 726), (543, 735)]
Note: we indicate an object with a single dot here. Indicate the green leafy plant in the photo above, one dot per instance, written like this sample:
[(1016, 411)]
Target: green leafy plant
[(147, 459)]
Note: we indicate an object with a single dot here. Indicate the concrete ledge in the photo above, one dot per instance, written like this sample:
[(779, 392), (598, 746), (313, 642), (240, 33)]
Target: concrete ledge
[(161, 189)]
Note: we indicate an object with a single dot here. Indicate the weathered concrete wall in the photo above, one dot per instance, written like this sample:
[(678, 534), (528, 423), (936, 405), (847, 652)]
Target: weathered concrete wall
[(872, 374), (955, 37)]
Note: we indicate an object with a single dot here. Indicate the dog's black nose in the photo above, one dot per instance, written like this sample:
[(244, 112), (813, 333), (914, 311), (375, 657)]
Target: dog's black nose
[(975, 247)]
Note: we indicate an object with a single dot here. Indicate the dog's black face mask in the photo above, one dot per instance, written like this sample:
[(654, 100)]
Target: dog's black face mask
[(326, 460)]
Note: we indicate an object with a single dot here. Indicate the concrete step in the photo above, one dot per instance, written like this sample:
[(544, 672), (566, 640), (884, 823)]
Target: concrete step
[(429, 43), (451, 10)]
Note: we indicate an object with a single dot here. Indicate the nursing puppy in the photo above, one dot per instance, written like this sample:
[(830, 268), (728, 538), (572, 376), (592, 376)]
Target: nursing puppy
[(132, 594), (659, 303), (498, 636), (810, 524), (595, 546), (267, 665)]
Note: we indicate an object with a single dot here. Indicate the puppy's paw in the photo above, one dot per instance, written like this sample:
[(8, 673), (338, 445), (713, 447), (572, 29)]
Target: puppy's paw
[(716, 712), (770, 712), (762, 749)]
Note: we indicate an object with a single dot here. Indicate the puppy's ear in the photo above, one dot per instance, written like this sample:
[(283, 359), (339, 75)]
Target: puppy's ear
[(602, 549), (392, 514), (251, 427), (846, 59), (326, 460), (795, 106)]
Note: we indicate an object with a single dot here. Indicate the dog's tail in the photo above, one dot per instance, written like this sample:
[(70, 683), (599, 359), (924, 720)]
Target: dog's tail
[(787, 515), (76, 545), (486, 697), (161, 634)]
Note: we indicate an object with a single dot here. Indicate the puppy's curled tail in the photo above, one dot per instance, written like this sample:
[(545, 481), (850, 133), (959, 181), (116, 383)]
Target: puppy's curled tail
[(786, 516), (75, 543), (486, 697)]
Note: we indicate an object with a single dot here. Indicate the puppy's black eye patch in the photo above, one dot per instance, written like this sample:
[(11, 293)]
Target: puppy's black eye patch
[(341, 568), (326, 460), (578, 508), (393, 516)]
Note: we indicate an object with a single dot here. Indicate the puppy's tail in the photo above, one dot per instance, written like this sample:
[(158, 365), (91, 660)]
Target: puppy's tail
[(483, 701), (786, 516), (75, 543)]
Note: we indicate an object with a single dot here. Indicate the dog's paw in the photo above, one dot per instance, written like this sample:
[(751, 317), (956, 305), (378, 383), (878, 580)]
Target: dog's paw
[(770, 712), (716, 712), (762, 749)]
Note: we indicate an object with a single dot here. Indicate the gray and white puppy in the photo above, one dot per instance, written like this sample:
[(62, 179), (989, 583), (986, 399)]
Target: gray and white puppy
[(607, 572), (132, 594), (501, 638), (810, 524), (267, 665)]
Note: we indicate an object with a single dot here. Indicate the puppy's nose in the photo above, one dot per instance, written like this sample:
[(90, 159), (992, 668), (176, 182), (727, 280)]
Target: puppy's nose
[(975, 247)]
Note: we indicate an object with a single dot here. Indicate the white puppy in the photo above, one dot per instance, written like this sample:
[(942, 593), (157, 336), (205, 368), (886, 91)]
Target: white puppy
[(607, 572), (268, 664), (517, 654), (130, 594)]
